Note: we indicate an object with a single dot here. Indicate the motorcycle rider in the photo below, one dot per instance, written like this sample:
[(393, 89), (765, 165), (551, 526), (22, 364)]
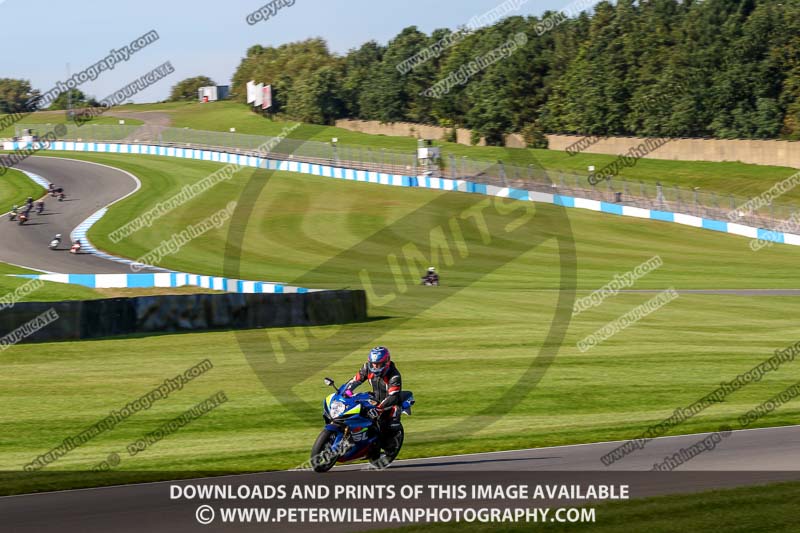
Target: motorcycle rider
[(431, 277), (56, 241), (386, 387)]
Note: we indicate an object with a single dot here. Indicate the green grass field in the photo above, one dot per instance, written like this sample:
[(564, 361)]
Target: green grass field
[(743, 180), (461, 348), (742, 510), (59, 117), (739, 179), (15, 187)]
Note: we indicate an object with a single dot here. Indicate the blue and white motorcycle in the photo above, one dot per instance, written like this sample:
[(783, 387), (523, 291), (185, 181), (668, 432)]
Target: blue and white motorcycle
[(351, 433)]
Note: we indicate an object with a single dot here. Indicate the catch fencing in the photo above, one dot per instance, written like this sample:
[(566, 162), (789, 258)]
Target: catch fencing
[(283, 149), (634, 193), (774, 215)]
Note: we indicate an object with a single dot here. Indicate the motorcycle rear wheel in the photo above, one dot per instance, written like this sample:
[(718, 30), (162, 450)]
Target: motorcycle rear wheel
[(322, 459)]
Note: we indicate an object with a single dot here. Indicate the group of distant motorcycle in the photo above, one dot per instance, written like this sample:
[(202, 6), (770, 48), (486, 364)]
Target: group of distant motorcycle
[(23, 214)]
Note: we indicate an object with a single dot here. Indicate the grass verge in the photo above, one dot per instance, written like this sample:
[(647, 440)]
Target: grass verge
[(465, 345), (743, 180), (15, 187)]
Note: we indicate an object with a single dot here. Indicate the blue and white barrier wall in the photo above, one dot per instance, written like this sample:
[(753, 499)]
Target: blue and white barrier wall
[(168, 279), (426, 182)]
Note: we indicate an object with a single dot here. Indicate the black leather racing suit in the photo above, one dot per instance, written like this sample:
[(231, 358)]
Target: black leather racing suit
[(431, 277), (387, 389)]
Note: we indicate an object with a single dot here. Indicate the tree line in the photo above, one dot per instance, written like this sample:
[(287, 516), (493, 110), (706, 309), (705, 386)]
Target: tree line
[(18, 96), (712, 68), (656, 68)]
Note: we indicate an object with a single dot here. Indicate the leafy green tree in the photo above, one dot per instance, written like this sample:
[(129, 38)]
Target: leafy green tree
[(73, 97), (281, 67), (360, 65), (188, 89), (316, 97), (723, 68), (789, 51), (15, 95), (391, 96)]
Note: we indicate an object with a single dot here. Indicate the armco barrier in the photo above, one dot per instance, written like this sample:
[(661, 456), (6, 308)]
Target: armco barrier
[(89, 319), (423, 182)]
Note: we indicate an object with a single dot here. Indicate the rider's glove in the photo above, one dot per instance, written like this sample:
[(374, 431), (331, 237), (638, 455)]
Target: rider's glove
[(348, 393), (374, 413)]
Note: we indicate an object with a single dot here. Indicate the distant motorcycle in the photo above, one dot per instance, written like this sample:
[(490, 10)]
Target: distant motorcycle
[(12, 215), (431, 278), (39, 207), (55, 242), (431, 281), (61, 197), (76, 247), (22, 219)]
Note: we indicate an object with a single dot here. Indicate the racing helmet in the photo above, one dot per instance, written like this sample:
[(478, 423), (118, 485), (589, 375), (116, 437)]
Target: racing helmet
[(378, 360)]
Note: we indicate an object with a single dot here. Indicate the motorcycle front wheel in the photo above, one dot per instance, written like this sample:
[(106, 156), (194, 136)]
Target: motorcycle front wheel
[(322, 458)]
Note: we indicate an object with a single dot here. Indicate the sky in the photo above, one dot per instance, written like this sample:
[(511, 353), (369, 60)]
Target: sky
[(202, 37)]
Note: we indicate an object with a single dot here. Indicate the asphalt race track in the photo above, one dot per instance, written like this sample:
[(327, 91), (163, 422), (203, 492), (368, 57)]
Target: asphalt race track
[(776, 449), (745, 457), (88, 187)]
